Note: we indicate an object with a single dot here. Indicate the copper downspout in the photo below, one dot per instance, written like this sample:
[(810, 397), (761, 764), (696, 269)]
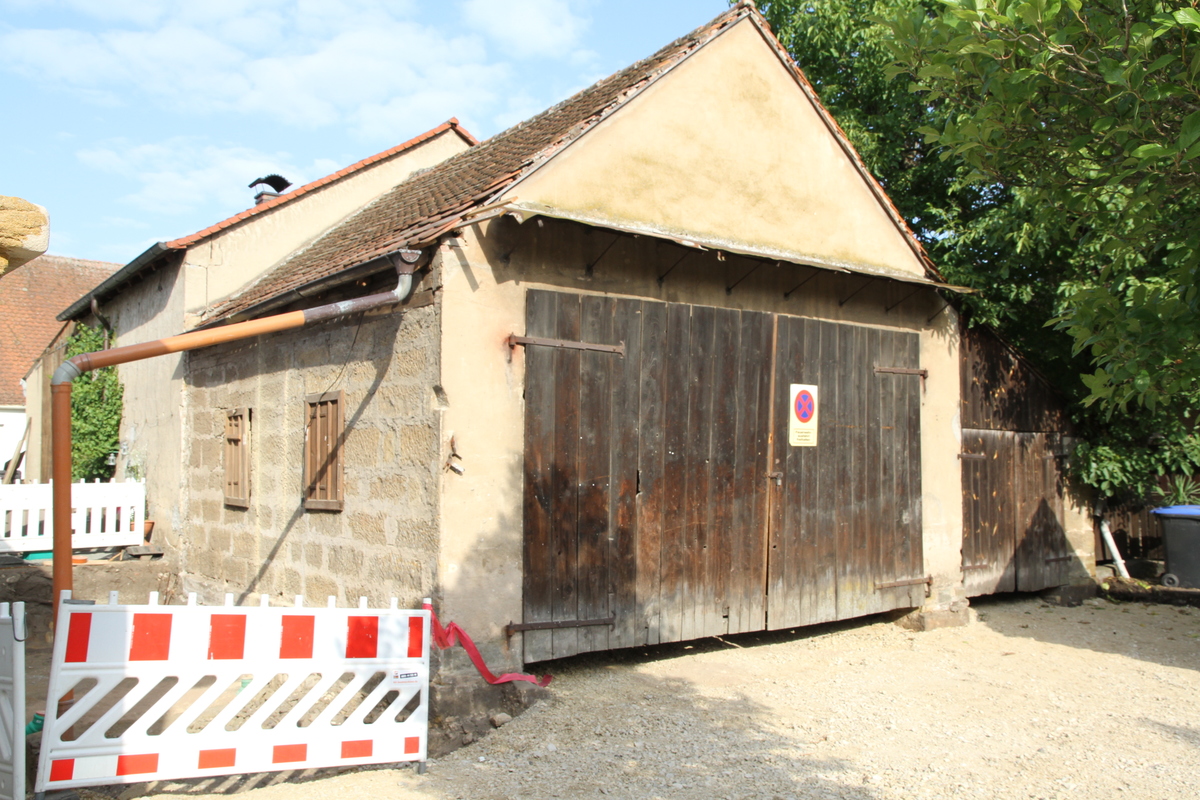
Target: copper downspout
[(69, 370)]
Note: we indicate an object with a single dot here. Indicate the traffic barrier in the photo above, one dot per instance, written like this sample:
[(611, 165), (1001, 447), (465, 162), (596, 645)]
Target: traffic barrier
[(151, 692), (12, 701)]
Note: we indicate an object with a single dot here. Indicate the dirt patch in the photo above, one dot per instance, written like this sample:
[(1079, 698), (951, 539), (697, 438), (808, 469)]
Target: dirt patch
[(1034, 701)]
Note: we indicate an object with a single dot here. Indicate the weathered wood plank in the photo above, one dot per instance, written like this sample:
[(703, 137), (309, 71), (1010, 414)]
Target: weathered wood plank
[(625, 406), (727, 351), (856, 591), (748, 524), (781, 612), (828, 492), (565, 478), (595, 472), (914, 387), (540, 320), (651, 493), (677, 430), (699, 470)]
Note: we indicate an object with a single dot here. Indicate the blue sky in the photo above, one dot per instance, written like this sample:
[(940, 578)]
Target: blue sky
[(135, 121)]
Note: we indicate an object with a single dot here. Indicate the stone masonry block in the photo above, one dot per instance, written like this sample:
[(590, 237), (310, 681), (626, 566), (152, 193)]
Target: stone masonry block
[(220, 540), (362, 447), (345, 561), (237, 571), (368, 528), (245, 545), (410, 363), (317, 588), (418, 444)]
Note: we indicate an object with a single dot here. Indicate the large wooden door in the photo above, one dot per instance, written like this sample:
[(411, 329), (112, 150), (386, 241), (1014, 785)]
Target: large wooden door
[(1013, 537), (1012, 423), (655, 510), (645, 494), (846, 524)]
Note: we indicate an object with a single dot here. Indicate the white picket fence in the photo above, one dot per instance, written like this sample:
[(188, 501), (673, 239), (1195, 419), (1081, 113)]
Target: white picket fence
[(103, 515), (12, 701)]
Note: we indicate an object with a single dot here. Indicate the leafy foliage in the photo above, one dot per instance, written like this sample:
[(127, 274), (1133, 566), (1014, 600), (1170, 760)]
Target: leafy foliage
[(1010, 200), (1092, 114), (96, 404)]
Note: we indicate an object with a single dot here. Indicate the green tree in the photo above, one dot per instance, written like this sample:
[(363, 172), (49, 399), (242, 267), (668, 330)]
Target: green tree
[(981, 235), (96, 403), (1030, 259), (1092, 115)]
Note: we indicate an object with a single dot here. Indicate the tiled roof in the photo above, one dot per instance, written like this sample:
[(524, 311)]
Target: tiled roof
[(30, 296), (416, 212), (153, 255)]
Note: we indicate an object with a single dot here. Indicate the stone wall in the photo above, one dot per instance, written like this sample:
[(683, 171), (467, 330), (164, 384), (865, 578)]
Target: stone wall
[(385, 542)]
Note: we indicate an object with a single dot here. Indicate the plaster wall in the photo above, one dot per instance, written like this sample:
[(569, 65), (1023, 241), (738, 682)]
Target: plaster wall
[(1081, 534), (36, 401), (727, 147), (229, 260), (384, 543), (484, 301), (12, 429)]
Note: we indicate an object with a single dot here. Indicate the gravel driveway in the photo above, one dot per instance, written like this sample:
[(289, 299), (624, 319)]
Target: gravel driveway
[(1033, 701)]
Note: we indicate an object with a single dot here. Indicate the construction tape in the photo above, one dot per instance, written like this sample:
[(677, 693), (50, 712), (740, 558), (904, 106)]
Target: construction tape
[(452, 634)]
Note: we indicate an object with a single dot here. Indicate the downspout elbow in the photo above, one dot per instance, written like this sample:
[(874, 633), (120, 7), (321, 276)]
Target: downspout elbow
[(67, 371), (403, 287)]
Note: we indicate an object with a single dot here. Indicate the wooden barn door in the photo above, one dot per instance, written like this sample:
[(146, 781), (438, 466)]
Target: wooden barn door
[(846, 514), (1013, 533), (645, 473), (662, 501), (1013, 537)]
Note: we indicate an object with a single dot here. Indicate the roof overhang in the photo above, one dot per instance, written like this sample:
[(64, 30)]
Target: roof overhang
[(115, 281), (523, 211)]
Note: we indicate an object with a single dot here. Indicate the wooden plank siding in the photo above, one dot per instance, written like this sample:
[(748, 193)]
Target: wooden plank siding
[(648, 495), (1013, 511)]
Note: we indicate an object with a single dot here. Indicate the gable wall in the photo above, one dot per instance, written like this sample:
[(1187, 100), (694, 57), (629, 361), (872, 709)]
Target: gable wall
[(727, 146)]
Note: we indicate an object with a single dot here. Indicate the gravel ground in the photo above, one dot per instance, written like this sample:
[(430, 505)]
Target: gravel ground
[(1032, 701)]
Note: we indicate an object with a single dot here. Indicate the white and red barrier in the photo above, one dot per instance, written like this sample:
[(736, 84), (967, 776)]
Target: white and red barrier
[(193, 691)]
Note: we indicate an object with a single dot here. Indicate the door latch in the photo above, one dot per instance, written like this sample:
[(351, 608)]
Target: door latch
[(777, 477)]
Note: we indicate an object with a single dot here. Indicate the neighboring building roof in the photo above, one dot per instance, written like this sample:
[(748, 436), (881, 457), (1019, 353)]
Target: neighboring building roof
[(431, 203), (151, 255), (30, 296)]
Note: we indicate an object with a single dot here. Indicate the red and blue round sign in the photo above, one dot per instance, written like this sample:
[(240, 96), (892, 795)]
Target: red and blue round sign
[(806, 406)]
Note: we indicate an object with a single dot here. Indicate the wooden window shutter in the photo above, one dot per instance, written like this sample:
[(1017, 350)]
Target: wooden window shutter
[(237, 458), (323, 433)]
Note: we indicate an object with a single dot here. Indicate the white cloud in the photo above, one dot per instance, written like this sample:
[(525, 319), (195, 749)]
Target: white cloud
[(183, 174), (527, 28), (308, 63)]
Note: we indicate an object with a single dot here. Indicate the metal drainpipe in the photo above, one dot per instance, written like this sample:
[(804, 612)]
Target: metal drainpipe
[(60, 392)]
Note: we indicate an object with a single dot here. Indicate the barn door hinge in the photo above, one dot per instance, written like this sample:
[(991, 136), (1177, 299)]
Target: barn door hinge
[(972, 455), (513, 340), (516, 627), (927, 580), (924, 373)]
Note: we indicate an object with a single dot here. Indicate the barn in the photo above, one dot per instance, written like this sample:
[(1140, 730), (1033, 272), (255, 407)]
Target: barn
[(672, 366)]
